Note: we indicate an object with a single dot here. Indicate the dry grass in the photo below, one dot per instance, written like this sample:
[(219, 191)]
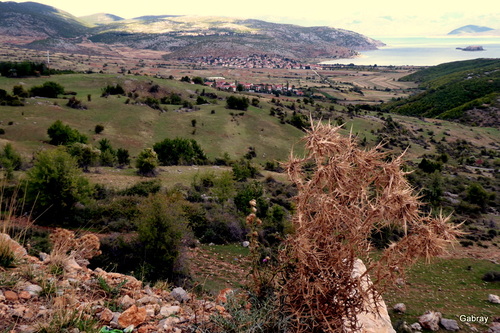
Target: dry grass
[(346, 193)]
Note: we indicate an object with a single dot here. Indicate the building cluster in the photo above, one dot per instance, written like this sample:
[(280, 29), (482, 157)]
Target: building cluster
[(265, 88), (252, 61)]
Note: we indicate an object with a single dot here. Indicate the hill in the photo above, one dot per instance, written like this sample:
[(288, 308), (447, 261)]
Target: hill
[(100, 18), (467, 29), (450, 90), (179, 36), (33, 21)]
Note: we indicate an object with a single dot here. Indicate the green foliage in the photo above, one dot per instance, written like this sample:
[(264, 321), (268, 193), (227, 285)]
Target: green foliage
[(237, 103), (247, 192), (56, 184), (112, 90), (477, 195), (179, 151), (429, 166), (173, 99), (49, 89), (85, 154), (21, 69), (19, 91), (300, 121), (143, 189), (244, 169), (76, 104), (122, 156), (61, 134), (198, 80), (160, 227), (146, 162), (6, 99), (7, 257), (98, 129), (10, 160), (108, 154)]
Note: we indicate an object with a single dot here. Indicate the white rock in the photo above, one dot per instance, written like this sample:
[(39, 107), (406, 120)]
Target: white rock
[(245, 244), (180, 295), (33, 289), (400, 307), (449, 324), (416, 327), (430, 320), (167, 311), (494, 299)]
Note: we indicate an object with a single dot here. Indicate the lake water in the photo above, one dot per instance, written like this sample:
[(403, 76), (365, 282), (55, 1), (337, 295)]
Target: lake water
[(420, 51)]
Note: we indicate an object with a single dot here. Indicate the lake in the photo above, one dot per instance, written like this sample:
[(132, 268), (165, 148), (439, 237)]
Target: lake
[(424, 51)]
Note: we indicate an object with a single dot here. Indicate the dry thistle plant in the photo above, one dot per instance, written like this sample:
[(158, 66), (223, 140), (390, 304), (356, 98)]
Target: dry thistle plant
[(65, 246), (344, 194)]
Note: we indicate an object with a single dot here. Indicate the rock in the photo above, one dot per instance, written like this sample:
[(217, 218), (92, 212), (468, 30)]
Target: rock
[(371, 320), (399, 308), (494, 299), (17, 249), (2, 297), (180, 295), (449, 324), (430, 320), (106, 315), (24, 295), (167, 311), (33, 289), (494, 328), (416, 327), (26, 329), (148, 300), (168, 323), (71, 265), (126, 302), (151, 310), (245, 244), (223, 294), (132, 316), (10, 295)]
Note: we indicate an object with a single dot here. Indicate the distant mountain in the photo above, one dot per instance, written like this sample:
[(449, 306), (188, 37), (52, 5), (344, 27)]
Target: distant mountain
[(100, 18), (37, 21), (469, 29), (179, 36)]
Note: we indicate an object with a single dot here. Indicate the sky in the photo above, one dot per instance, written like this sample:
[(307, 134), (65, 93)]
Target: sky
[(369, 17)]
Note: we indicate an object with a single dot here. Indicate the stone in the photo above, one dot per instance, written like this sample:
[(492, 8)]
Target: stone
[(71, 265), (151, 310), (2, 297), (168, 323), (430, 320), (148, 300), (106, 315), (24, 295), (17, 249), (494, 328), (132, 316), (416, 327), (10, 295), (33, 289), (449, 324), (245, 244), (494, 299), (126, 302), (399, 308), (371, 320), (167, 311), (180, 295)]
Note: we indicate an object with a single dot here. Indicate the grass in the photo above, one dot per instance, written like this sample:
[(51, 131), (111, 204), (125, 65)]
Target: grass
[(450, 286)]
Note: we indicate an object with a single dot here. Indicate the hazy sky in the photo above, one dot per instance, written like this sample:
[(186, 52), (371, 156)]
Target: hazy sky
[(369, 17)]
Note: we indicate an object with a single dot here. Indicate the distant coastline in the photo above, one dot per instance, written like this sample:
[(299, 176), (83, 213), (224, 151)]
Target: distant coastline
[(472, 48)]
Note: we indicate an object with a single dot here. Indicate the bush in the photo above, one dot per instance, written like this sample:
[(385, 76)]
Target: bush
[(143, 189), (49, 89), (237, 103), (122, 156), (146, 163), (98, 129), (61, 134), (160, 226), (56, 184), (179, 151), (491, 277), (86, 155), (113, 90), (76, 104)]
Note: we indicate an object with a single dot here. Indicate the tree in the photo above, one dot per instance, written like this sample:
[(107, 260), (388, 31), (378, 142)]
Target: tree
[(61, 134), (123, 157), (160, 227), (49, 89), (108, 154), (198, 80), (10, 160), (146, 163), (179, 151), (237, 103), (85, 154), (98, 129), (56, 184)]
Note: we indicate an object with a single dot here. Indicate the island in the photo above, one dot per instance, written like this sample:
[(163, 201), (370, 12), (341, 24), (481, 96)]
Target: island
[(471, 48)]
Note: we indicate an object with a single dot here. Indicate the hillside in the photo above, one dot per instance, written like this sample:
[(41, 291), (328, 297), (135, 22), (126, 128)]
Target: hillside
[(451, 90), (467, 29), (178, 36)]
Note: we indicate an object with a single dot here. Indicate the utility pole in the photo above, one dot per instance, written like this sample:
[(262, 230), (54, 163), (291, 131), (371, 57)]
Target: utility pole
[(48, 62)]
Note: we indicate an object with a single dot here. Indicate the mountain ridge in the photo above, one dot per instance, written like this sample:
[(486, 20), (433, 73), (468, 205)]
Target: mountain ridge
[(177, 36)]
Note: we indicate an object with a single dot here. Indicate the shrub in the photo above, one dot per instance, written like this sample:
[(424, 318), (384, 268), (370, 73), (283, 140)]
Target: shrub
[(49, 89), (491, 276), (56, 184), (122, 156), (98, 129), (146, 163), (85, 155), (179, 151), (143, 189), (160, 227), (237, 103), (112, 90), (61, 134), (76, 104)]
